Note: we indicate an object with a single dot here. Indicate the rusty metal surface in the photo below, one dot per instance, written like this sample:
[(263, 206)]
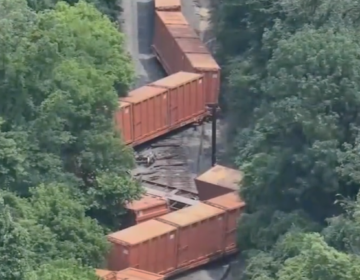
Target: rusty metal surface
[(217, 181), (123, 120), (186, 98), (191, 45), (206, 65), (148, 207), (167, 5), (233, 206), (146, 202), (138, 246), (182, 31), (137, 274), (200, 233), (164, 45)]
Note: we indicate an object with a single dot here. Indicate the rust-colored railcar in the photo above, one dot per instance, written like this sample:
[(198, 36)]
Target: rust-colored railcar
[(146, 208), (137, 274), (178, 241), (167, 5), (186, 53), (181, 31), (128, 274), (186, 97), (156, 109), (124, 120), (217, 181), (191, 45), (199, 235), (151, 246), (183, 239), (233, 205), (164, 45), (170, 49), (150, 113), (146, 116), (205, 64)]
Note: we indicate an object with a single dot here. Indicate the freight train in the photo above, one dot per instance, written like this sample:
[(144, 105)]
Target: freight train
[(162, 241), (167, 242), (182, 97)]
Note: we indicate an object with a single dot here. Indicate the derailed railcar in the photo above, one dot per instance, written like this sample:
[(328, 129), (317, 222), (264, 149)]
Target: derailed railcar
[(181, 240), (178, 48), (154, 110)]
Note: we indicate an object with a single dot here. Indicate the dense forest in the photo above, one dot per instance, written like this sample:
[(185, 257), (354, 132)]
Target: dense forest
[(63, 170), (291, 92)]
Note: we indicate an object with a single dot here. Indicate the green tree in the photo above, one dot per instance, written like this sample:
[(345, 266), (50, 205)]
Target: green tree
[(69, 71), (298, 256), (292, 95), (76, 236), (240, 27), (110, 8), (56, 227), (307, 113), (62, 162), (40, 240), (62, 270), (15, 256), (39, 233)]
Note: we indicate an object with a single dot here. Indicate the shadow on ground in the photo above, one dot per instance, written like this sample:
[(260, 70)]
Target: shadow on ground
[(145, 32)]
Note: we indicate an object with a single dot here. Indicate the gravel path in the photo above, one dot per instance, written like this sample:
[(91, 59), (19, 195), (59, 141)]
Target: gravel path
[(137, 24)]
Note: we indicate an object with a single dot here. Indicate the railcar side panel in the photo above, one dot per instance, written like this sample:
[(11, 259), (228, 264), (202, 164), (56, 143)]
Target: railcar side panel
[(164, 44), (206, 65), (124, 121), (186, 98), (150, 113)]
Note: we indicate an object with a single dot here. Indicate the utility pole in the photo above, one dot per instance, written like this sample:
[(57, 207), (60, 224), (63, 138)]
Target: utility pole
[(213, 108)]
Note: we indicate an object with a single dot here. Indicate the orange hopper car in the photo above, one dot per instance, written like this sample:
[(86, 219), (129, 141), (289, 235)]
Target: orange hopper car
[(146, 208), (180, 240), (184, 51), (233, 205), (216, 181), (169, 49), (186, 98), (163, 106), (199, 235), (150, 246)]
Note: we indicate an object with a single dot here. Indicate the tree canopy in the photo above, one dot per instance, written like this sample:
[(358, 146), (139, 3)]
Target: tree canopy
[(291, 91), (64, 170), (110, 8)]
